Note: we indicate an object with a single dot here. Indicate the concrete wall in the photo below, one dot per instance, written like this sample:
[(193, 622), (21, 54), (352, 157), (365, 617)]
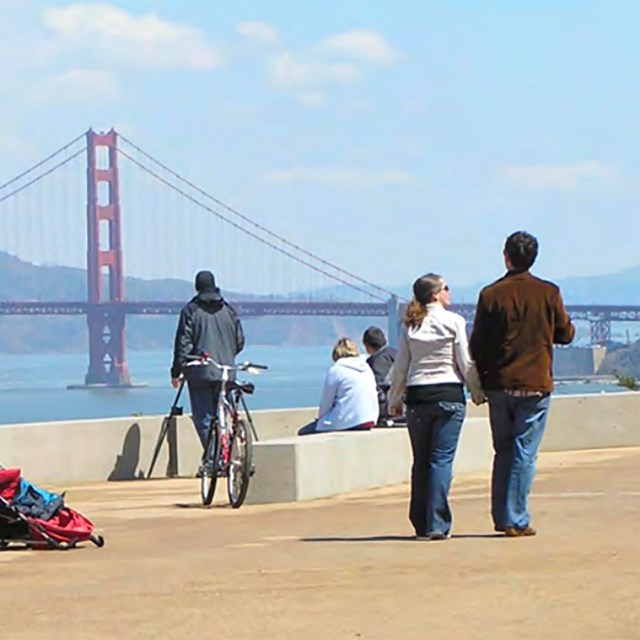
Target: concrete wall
[(295, 468), (119, 448), (590, 421)]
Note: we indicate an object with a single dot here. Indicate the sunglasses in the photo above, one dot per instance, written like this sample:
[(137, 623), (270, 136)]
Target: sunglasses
[(445, 288)]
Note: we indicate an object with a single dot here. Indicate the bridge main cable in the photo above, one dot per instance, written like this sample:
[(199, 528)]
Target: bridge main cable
[(39, 177), (39, 164), (250, 233), (193, 186)]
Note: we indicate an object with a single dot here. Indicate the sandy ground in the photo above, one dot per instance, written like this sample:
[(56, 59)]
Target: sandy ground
[(345, 567)]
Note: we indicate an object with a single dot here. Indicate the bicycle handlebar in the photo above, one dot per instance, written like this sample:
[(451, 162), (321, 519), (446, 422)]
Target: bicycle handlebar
[(203, 359)]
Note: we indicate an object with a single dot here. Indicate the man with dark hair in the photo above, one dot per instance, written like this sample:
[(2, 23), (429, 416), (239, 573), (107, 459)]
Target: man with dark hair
[(381, 359), (518, 319), (207, 325)]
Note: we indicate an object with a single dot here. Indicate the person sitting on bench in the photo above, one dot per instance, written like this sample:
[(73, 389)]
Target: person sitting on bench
[(349, 397), (381, 359)]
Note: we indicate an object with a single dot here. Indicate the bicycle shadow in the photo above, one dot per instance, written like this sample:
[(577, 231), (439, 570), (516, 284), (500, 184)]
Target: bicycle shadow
[(199, 505)]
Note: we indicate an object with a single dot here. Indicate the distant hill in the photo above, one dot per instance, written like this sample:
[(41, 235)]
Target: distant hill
[(21, 280), (625, 361), (621, 287)]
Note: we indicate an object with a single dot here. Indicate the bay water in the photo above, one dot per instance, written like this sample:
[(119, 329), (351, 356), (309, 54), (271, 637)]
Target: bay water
[(33, 388)]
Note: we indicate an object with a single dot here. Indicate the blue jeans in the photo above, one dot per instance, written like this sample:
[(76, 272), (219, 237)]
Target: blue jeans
[(434, 429), (203, 396), (517, 427)]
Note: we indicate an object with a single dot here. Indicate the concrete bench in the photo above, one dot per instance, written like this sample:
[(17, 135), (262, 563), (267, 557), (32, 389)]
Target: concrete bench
[(321, 465)]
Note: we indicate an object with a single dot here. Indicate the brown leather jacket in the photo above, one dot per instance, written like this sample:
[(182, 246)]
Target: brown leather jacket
[(518, 320)]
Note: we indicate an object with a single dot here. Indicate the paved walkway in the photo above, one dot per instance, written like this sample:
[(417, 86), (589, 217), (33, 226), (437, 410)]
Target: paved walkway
[(341, 568)]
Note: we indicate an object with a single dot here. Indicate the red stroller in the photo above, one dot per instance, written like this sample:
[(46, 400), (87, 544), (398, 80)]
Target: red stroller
[(37, 518)]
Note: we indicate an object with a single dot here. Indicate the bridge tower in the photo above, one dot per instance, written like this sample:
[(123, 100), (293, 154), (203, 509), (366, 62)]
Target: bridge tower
[(393, 321), (107, 361), (600, 330)]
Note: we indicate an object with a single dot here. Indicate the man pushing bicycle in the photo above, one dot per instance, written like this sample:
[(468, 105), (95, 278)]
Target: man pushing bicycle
[(207, 325)]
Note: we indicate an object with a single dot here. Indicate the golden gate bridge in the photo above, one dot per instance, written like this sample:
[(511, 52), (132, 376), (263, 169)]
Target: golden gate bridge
[(281, 273)]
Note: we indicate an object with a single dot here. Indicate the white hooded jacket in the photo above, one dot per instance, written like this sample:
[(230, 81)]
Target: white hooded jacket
[(349, 395)]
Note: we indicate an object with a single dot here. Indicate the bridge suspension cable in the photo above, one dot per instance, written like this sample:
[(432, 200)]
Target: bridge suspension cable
[(40, 176), (44, 161), (248, 232), (268, 232)]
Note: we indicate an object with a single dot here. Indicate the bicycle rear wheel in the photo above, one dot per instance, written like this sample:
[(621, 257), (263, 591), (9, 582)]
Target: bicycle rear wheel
[(209, 468), (240, 464)]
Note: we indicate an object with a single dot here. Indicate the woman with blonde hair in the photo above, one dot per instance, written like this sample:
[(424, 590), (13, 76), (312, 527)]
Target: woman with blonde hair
[(432, 366), (349, 397)]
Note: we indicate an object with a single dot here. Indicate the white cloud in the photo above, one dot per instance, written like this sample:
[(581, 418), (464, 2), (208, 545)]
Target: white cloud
[(339, 60), (147, 41), (348, 178), (361, 44), (559, 177), (79, 83), (311, 99), (260, 32), (290, 73)]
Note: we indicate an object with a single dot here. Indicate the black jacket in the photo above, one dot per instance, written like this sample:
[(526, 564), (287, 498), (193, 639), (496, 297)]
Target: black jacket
[(207, 324)]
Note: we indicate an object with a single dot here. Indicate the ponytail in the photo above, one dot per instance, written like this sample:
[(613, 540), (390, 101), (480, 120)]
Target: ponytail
[(415, 313)]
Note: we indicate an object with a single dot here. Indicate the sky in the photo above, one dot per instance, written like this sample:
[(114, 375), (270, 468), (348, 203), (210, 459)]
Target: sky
[(391, 138)]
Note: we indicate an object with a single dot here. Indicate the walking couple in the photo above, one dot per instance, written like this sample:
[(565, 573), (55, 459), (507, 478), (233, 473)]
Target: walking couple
[(507, 362)]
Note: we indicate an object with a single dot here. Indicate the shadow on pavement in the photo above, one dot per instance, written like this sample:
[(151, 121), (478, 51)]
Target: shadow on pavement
[(199, 505), (361, 539)]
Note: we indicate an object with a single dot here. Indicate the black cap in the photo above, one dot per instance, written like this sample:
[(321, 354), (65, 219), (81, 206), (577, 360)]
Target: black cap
[(205, 281)]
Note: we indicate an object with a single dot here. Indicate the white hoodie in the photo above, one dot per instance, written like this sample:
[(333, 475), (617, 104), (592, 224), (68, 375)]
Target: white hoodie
[(349, 396)]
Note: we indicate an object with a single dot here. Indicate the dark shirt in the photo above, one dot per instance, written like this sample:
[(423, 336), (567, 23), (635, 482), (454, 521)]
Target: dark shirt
[(427, 393), (381, 362), (518, 320)]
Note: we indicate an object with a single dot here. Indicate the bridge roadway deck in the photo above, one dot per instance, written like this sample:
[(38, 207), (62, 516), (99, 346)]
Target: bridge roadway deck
[(343, 567)]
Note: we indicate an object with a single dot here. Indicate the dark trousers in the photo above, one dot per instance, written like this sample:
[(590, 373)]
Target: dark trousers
[(203, 395), (434, 429)]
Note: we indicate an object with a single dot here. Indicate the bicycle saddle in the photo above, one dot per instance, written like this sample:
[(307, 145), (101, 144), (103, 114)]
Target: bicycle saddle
[(245, 387)]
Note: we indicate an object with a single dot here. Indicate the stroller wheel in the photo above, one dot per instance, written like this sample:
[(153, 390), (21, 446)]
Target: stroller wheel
[(98, 541)]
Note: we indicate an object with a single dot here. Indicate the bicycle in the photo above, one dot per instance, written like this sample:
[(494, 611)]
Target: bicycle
[(229, 448)]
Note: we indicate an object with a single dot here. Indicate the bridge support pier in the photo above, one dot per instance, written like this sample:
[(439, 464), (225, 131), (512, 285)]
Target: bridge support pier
[(106, 346), (393, 320)]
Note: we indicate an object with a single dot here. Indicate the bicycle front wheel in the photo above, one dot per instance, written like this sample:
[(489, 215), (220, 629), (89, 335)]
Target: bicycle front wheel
[(240, 464), (209, 469)]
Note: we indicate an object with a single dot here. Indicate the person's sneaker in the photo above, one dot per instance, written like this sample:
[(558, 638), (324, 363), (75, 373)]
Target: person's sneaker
[(434, 535), (499, 528), (438, 535), (516, 532), (199, 472)]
